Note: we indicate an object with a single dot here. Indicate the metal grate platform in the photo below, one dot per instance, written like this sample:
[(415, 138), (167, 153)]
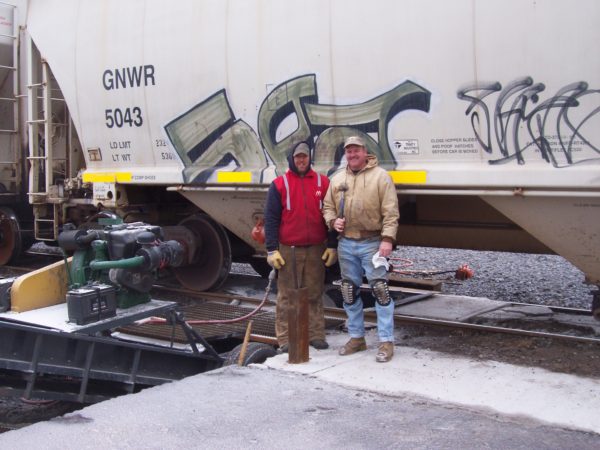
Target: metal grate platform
[(263, 323)]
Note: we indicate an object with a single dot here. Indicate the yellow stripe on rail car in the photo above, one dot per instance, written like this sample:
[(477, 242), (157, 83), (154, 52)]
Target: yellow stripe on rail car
[(234, 177), (408, 176), (107, 177)]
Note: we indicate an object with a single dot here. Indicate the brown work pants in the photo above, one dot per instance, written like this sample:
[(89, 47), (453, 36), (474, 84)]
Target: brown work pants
[(310, 271)]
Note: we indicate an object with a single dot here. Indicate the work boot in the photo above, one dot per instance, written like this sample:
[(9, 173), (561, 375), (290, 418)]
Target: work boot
[(319, 344), (385, 352), (353, 345), (283, 348)]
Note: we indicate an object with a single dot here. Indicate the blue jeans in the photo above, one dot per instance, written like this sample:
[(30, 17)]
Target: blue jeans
[(355, 259)]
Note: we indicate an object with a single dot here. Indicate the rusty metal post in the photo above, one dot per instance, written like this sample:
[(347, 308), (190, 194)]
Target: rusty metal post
[(297, 320)]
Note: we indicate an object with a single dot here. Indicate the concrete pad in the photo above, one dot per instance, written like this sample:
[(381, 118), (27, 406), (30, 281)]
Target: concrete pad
[(241, 408), (560, 399)]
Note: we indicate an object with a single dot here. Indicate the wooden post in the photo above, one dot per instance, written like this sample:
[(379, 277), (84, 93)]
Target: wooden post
[(245, 344)]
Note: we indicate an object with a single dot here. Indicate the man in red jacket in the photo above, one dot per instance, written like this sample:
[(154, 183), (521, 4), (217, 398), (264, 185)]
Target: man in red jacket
[(293, 218)]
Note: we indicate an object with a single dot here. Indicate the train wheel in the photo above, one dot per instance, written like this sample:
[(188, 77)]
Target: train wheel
[(10, 236), (256, 353), (212, 257)]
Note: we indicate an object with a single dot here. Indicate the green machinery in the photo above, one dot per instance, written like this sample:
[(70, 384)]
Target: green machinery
[(124, 257)]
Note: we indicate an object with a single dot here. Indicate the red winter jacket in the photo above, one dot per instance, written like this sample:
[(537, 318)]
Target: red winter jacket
[(293, 210)]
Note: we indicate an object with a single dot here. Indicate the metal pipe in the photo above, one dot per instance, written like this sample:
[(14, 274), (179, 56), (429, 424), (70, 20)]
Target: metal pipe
[(127, 263), (48, 144), (508, 192)]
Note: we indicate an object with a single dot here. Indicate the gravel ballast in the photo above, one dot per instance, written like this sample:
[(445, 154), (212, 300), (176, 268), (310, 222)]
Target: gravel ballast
[(515, 277)]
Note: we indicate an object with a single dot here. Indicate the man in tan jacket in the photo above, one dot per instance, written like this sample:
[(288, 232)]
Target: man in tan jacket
[(362, 206)]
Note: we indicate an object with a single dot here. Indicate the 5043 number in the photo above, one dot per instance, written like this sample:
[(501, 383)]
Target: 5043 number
[(121, 117)]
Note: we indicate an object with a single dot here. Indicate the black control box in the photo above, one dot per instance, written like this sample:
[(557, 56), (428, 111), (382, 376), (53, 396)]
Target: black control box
[(91, 303)]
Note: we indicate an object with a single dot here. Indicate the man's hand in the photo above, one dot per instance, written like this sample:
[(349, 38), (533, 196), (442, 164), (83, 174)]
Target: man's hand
[(275, 259), (339, 224), (385, 248), (329, 256)]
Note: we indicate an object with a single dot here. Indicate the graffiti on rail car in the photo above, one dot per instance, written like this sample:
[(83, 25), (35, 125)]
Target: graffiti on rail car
[(513, 122), (208, 136)]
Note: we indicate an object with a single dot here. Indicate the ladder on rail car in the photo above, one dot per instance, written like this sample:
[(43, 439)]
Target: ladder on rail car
[(10, 161), (45, 194)]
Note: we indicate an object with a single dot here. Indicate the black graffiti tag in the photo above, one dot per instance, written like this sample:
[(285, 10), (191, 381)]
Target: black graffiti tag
[(549, 127), (477, 100)]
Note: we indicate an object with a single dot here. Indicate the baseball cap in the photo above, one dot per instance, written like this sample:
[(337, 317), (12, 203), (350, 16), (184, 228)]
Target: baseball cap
[(302, 149), (354, 140)]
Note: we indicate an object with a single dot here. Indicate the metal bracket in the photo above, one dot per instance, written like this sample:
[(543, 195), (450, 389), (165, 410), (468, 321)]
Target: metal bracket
[(193, 338)]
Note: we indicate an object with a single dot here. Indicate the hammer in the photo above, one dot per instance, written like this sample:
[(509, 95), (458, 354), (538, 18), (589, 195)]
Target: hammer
[(343, 188)]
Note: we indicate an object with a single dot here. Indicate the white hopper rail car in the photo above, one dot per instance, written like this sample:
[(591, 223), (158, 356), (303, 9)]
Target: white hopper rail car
[(485, 113)]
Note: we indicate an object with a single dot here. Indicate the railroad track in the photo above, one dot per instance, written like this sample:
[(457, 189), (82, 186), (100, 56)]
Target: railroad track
[(467, 323), (535, 328)]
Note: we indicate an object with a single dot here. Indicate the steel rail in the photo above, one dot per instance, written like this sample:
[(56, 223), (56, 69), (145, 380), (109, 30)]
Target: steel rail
[(401, 318)]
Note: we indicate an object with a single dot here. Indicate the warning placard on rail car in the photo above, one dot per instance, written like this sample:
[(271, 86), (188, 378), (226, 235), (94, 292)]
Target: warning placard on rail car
[(406, 146)]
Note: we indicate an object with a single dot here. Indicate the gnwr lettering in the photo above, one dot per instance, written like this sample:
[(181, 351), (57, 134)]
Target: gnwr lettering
[(125, 77)]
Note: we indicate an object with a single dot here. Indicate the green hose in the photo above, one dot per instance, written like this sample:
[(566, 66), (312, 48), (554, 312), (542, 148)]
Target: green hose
[(128, 263)]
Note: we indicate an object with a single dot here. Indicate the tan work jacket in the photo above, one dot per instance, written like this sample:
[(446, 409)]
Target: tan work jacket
[(370, 202)]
